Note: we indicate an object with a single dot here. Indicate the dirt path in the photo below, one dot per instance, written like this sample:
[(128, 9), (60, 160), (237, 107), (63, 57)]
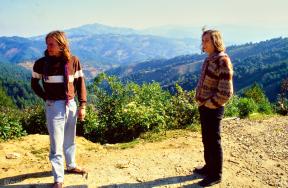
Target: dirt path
[(255, 155)]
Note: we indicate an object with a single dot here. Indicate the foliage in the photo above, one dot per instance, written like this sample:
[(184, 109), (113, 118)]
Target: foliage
[(33, 120), (231, 108), (121, 112), (265, 107), (124, 111), (184, 110), (246, 106), (91, 127), (256, 93), (17, 86), (10, 125), (5, 101)]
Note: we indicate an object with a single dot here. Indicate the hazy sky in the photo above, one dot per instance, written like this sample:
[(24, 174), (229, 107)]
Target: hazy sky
[(35, 17)]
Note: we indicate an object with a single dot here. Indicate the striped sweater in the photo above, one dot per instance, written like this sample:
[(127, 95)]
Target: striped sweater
[(215, 85), (51, 70)]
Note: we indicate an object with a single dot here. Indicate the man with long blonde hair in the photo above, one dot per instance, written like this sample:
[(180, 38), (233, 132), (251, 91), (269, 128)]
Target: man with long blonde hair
[(62, 78)]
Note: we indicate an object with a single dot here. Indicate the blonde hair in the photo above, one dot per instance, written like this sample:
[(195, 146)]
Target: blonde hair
[(61, 39), (216, 38)]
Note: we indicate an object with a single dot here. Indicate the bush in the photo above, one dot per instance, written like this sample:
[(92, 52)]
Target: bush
[(246, 106), (184, 110), (256, 93), (121, 112), (231, 108), (10, 126), (34, 120), (265, 107), (91, 127), (5, 100)]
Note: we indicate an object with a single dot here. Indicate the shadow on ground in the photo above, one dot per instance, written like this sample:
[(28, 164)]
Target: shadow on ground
[(6, 182), (159, 182), (44, 185)]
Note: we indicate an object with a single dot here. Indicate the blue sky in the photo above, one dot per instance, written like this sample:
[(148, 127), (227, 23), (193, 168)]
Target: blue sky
[(34, 17)]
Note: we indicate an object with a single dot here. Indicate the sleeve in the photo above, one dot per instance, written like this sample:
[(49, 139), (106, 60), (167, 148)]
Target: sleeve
[(225, 85), (37, 75), (79, 83)]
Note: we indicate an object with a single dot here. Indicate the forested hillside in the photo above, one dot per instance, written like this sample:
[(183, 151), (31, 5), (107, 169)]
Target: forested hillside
[(15, 82), (265, 63)]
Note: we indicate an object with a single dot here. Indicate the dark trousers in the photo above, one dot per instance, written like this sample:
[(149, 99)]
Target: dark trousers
[(210, 124)]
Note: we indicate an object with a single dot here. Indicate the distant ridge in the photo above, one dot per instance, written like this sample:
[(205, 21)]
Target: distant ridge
[(265, 62), (101, 46)]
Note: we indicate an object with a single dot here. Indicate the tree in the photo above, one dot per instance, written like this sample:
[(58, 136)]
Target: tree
[(256, 93), (5, 101)]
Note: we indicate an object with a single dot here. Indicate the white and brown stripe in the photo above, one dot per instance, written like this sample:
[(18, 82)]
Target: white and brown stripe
[(51, 71)]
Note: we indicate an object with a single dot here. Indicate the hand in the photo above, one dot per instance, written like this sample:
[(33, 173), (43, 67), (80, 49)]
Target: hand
[(81, 113)]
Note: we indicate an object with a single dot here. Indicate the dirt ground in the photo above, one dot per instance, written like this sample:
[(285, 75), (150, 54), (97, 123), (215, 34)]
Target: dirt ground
[(255, 155)]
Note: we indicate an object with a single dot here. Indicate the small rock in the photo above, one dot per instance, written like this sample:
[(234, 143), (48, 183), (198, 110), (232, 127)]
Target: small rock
[(5, 169), (122, 164), (13, 156), (261, 156), (140, 179)]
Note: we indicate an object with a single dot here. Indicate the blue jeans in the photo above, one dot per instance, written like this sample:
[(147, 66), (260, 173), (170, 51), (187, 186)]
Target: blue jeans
[(61, 124)]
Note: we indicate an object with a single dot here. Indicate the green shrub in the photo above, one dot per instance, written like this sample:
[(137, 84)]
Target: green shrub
[(231, 108), (91, 127), (265, 107), (34, 121), (121, 112), (256, 93), (5, 100), (183, 111), (10, 126), (246, 106)]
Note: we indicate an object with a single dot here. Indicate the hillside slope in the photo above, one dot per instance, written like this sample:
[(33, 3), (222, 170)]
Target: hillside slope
[(255, 155), (265, 62)]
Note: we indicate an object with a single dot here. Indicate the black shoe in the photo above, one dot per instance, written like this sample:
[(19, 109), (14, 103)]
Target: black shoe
[(207, 182), (201, 170)]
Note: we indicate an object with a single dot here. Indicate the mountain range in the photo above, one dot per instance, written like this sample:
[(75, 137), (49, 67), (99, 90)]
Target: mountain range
[(101, 47), (145, 56)]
